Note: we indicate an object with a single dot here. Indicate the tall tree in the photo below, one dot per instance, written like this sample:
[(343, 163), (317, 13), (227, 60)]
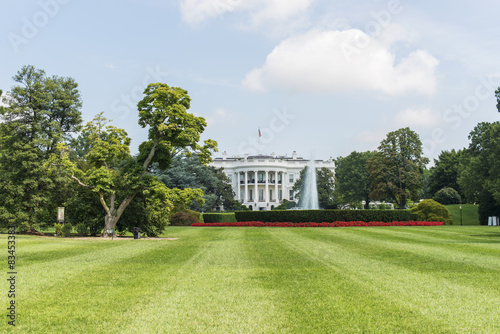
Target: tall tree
[(480, 167), (115, 176), (396, 169), (352, 183), (444, 174), (41, 113)]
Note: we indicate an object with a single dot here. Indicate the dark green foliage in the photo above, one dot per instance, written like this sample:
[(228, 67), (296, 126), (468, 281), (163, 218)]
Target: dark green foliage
[(445, 172), (219, 218), (488, 207), (182, 219), (396, 169), (447, 196), (352, 183), (195, 214), (189, 172), (430, 210), (322, 216), (286, 205), (84, 207), (325, 182), (58, 228), (67, 228), (82, 229)]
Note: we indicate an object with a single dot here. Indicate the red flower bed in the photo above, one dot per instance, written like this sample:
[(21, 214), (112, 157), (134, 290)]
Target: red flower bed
[(334, 224)]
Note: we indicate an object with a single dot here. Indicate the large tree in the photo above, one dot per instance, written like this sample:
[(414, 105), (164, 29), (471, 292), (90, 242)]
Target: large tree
[(41, 113), (352, 183), (479, 175), (444, 174), (115, 176), (396, 168)]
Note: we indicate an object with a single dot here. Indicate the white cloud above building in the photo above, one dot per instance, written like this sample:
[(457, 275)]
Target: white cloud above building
[(340, 61)]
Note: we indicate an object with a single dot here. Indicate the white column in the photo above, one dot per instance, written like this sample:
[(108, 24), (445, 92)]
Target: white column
[(238, 187), (266, 191), (246, 186), (276, 187), (256, 195)]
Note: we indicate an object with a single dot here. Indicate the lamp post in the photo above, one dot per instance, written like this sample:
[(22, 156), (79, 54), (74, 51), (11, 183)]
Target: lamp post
[(460, 215)]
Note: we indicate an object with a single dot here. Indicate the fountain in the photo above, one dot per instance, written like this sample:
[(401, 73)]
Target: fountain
[(309, 196)]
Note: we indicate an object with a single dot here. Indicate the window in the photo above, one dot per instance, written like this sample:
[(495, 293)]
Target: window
[(270, 194), (230, 177), (261, 194), (291, 178), (291, 195), (251, 195), (280, 195)]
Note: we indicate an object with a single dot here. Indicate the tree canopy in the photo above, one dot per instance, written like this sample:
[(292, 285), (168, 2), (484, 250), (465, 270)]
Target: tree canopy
[(396, 168), (352, 183)]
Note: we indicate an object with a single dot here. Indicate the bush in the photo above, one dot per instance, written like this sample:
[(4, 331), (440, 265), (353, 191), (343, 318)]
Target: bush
[(286, 205), (447, 196), (430, 210), (82, 229), (182, 219), (195, 214), (219, 218), (322, 216), (67, 229), (58, 228)]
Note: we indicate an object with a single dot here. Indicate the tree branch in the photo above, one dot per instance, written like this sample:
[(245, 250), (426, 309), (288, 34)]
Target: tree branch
[(81, 183)]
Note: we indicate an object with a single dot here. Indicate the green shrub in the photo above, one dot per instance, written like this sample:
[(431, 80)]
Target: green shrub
[(286, 205), (324, 216), (220, 217), (430, 210), (67, 229), (82, 229), (447, 196), (58, 228), (182, 219), (382, 206), (195, 214)]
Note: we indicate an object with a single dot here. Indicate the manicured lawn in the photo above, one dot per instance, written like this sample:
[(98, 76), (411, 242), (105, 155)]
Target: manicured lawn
[(469, 214), (262, 280)]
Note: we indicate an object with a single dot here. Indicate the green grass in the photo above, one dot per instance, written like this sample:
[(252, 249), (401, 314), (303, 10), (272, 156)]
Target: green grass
[(262, 280), (469, 214)]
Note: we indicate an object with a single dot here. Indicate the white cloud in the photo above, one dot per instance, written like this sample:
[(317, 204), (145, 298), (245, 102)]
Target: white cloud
[(220, 117), (259, 11), (348, 60), (423, 117)]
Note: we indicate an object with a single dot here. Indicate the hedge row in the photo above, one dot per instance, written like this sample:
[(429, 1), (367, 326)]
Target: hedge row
[(320, 216), (219, 217)]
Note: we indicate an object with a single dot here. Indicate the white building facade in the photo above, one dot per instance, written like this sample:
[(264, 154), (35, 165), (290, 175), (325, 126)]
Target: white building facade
[(262, 182)]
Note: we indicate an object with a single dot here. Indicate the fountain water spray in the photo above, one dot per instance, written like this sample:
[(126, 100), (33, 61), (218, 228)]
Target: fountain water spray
[(309, 196)]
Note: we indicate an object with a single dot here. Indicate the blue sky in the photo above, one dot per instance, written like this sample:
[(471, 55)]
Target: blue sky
[(317, 77)]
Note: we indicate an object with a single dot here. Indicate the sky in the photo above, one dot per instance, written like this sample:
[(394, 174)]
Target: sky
[(319, 77)]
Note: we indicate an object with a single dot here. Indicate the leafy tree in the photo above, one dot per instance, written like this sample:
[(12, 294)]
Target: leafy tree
[(444, 174), (430, 210), (488, 207), (325, 181), (41, 113), (189, 172), (116, 177), (396, 168), (286, 205), (479, 175), (352, 183), (447, 196)]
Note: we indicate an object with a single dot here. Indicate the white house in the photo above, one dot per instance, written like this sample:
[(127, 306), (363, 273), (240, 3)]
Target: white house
[(261, 182)]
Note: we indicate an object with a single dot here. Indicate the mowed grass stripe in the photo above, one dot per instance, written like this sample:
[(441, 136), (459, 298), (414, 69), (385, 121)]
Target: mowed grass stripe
[(213, 294), (432, 299), (316, 288), (73, 292)]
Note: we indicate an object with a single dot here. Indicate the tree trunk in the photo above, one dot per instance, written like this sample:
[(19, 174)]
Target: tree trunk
[(109, 224)]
